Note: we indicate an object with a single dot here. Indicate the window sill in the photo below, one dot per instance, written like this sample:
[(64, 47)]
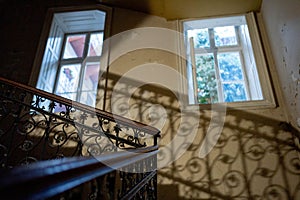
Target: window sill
[(246, 105)]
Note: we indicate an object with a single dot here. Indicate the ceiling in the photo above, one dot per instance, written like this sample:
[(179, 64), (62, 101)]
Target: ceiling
[(180, 9)]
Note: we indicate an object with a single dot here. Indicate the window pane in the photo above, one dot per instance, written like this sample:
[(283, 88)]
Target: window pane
[(90, 83), (221, 50), (74, 46), (68, 81), (225, 36), (230, 66), (206, 79), (234, 92), (95, 46), (201, 37)]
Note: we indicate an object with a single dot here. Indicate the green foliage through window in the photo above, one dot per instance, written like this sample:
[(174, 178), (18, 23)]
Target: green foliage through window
[(206, 79)]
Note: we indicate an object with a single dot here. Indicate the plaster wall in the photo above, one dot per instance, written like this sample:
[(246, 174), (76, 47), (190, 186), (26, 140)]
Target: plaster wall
[(255, 155), (281, 19), (181, 9)]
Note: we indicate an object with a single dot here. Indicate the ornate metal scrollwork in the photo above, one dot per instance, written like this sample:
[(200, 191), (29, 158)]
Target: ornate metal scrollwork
[(35, 125)]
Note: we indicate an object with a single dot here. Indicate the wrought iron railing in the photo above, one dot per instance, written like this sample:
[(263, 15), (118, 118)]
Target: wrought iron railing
[(84, 177), (71, 150), (36, 125)]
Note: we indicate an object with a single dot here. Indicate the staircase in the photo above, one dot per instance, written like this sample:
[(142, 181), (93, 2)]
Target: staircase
[(54, 148)]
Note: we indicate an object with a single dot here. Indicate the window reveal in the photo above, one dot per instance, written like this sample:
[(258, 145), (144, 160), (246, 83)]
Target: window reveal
[(71, 61), (222, 62)]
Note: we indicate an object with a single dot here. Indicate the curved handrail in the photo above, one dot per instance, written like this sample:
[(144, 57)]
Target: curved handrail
[(113, 117), (37, 122), (46, 179), (37, 125)]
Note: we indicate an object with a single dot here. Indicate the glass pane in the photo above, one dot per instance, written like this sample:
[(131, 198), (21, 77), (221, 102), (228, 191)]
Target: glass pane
[(225, 36), (234, 92), (74, 46), (95, 46), (68, 81), (90, 83), (230, 66), (206, 79), (201, 37)]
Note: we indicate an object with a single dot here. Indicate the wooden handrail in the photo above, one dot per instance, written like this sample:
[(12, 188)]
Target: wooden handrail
[(32, 113), (46, 179), (113, 117)]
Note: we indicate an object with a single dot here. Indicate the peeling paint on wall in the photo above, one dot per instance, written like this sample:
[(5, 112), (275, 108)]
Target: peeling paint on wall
[(281, 19)]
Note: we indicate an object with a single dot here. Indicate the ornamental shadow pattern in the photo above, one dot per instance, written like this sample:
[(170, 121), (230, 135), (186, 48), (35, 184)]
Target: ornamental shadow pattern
[(255, 157), (258, 161)]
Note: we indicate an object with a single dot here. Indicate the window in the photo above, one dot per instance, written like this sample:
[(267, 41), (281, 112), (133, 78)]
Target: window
[(71, 60), (222, 65), (79, 67)]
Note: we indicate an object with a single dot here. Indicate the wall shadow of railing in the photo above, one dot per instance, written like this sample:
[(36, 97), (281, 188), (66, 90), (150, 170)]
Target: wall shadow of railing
[(256, 156)]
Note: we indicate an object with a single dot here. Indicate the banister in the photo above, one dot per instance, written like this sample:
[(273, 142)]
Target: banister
[(37, 125), (64, 147), (46, 179), (111, 116)]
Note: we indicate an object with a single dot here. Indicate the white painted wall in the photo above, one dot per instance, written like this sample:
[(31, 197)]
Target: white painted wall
[(244, 164), (282, 23)]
